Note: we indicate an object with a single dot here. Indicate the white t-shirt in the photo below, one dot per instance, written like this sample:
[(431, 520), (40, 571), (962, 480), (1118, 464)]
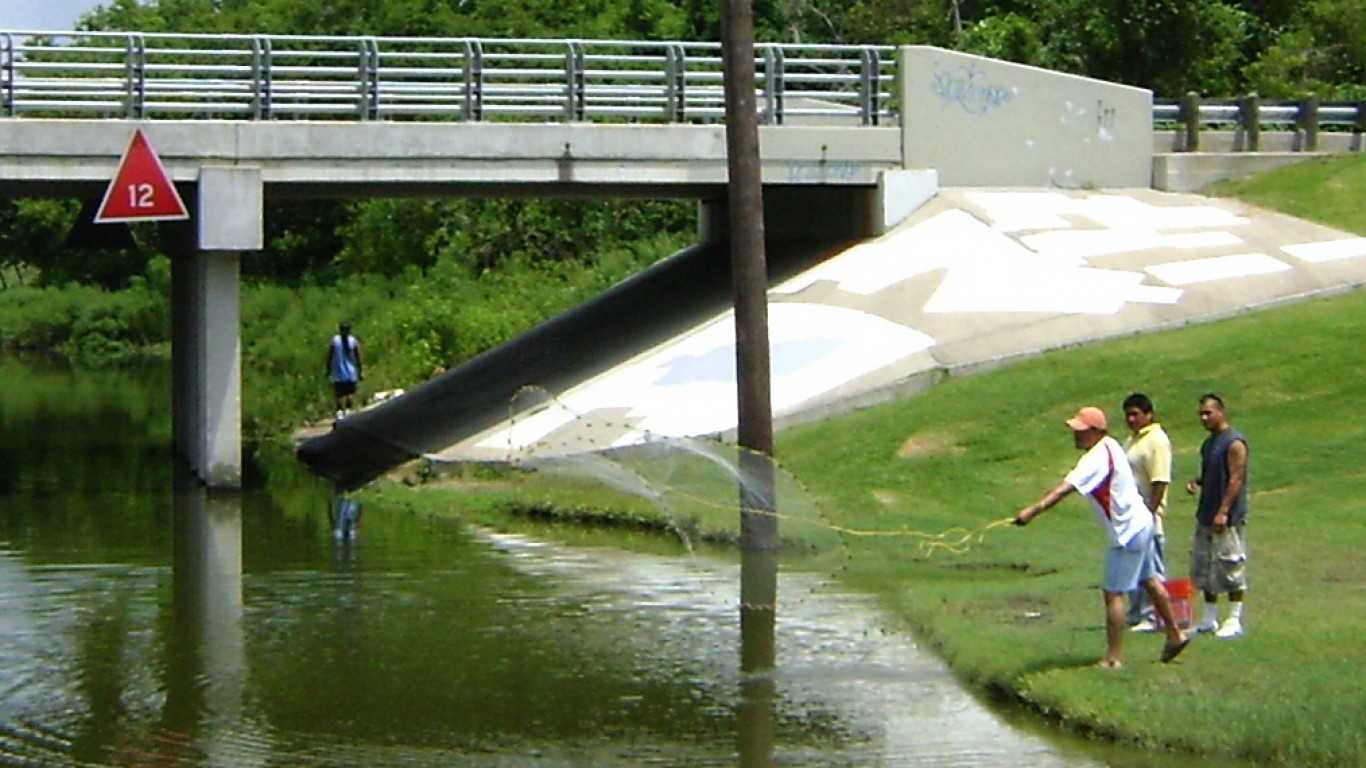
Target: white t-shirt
[(1103, 475)]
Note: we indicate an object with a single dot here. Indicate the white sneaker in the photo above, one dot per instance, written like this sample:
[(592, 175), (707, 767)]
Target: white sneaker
[(1144, 626), (1230, 628), (1208, 625)]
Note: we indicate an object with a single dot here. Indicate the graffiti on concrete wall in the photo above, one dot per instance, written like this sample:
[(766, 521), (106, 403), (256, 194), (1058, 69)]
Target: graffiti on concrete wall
[(968, 87), (821, 171)]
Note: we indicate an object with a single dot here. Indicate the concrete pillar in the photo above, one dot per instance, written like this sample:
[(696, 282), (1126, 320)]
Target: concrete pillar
[(219, 368), (206, 339), (187, 328), (711, 220), (180, 244)]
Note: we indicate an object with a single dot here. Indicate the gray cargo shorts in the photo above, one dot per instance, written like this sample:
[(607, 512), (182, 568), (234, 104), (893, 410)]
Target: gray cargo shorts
[(1219, 560)]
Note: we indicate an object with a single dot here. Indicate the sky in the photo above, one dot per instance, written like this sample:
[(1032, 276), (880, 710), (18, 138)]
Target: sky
[(55, 15)]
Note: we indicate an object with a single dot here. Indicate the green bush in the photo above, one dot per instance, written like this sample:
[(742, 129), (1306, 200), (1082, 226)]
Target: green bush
[(86, 324), (482, 282)]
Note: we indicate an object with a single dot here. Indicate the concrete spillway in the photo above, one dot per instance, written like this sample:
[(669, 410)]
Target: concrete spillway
[(678, 293), (975, 277)]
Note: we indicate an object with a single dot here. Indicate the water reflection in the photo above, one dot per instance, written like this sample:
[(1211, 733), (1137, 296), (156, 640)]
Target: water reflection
[(205, 711), (344, 515), (759, 547), (754, 713)]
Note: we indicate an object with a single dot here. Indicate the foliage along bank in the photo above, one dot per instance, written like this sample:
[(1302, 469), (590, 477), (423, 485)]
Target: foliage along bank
[(441, 281)]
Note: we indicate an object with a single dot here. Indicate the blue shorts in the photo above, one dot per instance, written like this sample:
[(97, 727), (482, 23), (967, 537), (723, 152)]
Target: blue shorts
[(1129, 566)]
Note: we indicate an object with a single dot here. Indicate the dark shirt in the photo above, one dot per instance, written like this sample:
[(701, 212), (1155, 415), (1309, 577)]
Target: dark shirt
[(1214, 478)]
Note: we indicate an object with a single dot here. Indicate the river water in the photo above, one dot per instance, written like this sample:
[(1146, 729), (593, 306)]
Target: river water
[(144, 621)]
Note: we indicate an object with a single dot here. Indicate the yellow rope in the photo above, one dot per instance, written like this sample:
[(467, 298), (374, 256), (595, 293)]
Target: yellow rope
[(956, 540)]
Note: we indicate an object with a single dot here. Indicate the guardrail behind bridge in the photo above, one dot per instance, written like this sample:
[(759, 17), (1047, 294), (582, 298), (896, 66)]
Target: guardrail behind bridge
[(1250, 116)]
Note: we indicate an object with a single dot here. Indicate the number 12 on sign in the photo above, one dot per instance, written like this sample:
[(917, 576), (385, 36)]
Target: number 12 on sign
[(142, 196), (141, 189)]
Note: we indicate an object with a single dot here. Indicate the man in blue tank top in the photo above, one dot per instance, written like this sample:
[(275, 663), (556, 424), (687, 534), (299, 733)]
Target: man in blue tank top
[(1219, 550), (344, 368)]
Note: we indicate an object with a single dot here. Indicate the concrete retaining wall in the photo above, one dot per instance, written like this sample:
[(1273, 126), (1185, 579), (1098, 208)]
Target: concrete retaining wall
[(983, 122), (1269, 141), (1190, 171)]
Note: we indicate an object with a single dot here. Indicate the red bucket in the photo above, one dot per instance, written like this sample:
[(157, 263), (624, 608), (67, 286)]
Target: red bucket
[(1179, 591)]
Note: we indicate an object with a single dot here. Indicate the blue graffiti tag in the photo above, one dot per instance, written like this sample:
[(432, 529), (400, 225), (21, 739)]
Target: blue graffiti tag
[(966, 89), (806, 171)]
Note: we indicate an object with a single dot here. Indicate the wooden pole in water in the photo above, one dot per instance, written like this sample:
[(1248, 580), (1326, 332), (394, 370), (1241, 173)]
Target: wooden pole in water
[(745, 207), (758, 521)]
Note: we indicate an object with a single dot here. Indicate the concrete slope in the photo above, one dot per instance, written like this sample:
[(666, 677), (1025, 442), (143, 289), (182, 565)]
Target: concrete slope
[(688, 288), (975, 277)]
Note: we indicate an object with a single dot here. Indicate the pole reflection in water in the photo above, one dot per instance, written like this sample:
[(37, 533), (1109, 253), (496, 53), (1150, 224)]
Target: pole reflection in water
[(758, 609), (754, 717), (207, 675)]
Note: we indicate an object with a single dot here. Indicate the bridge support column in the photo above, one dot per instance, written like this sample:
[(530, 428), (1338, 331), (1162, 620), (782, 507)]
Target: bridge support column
[(206, 338)]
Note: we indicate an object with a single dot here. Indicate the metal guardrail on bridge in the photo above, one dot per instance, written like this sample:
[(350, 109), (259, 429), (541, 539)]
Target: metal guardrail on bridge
[(280, 77), (134, 75)]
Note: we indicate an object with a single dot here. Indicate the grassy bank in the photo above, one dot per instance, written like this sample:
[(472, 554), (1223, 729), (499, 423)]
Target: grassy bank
[(1018, 613)]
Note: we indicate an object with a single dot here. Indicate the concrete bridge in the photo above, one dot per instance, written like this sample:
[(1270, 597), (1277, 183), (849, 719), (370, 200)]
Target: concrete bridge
[(853, 140)]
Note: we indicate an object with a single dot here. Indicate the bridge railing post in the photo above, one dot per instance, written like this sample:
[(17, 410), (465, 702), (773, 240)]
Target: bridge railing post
[(1189, 116), (262, 77), (1308, 122), (367, 86), (1250, 121), (576, 97), (774, 62), (7, 50), (472, 107), (675, 68), (134, 77), (870, 89)]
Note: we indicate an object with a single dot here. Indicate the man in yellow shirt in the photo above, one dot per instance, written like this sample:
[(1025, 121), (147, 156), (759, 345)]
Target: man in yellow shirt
[(1149, 452)]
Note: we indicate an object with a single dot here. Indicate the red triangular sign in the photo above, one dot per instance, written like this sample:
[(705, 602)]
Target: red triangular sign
[(141, 189)]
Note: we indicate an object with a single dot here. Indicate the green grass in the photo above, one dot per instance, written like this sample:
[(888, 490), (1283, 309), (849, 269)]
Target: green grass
[(1328, 190), (1019, 612)]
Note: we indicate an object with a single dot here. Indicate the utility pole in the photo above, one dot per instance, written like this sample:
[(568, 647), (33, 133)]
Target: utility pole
[(758, 510), (745, 207)]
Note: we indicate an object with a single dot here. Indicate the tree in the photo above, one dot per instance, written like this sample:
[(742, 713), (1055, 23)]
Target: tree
[(35, 232), (1009, 36), (895, 22), (1169, 46)]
